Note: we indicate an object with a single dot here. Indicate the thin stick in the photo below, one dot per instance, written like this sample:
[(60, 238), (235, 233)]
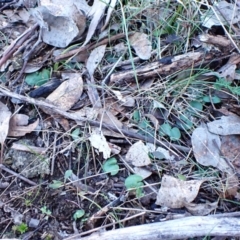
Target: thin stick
[(91, 46), (17, 175), (72, 116)]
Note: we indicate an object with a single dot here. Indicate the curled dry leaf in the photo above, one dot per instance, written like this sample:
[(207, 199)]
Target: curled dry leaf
[(68, 93), (137, 155), (60, 21), (97, 11), (18, 125), (141, 45), (201, 209), (99, 142), (176, 193)]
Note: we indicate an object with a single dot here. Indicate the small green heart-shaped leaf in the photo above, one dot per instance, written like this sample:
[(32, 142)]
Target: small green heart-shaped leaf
[(78, 214), (165, 129), (175, 134), (134, 182), (68, 174), (111, 166), (197, 105), (136, 116), (56, 184), (75, 133), (38, 78)]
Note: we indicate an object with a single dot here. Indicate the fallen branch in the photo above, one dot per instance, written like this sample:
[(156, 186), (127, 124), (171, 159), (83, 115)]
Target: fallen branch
[(73, 116), (222, 225), (165, 67)]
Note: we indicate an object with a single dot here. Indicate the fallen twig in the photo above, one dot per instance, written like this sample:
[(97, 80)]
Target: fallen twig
[(16, 44), (189, 227), (91, 46), (17, 175), (124, 132)]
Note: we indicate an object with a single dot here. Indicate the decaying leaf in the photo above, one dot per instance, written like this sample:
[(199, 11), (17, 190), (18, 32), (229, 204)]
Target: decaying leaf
[(206, 147), (97, 12), (227, 13), (175, 193), (60, 22), (109, 12), (68, 93), (227, 125), (230, 150), (126, 101), (99, 142), (137, 155), (159, 152), (141, 45), (201, 209), (5, 115), (95, 58), (18, 125), (232, 186)]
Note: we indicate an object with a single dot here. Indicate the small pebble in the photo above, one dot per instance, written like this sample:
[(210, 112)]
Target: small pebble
[(33, 223)]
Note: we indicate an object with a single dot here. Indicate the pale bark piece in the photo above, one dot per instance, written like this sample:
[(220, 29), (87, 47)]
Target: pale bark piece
[(143, 172), (5, 116), (16, 130), (108, 118), (109, 13), (189, 227), (137, 155), (68, 93), (141, 45), (201, 209), (97, 11), (95, 58), (99, 142), (227, 125), (27, 148), (176, 193)]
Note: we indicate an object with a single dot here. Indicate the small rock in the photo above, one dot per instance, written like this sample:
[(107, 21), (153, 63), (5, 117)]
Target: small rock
[(33, 223)]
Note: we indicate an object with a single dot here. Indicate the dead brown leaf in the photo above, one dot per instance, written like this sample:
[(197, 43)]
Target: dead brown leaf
[(176, 193), (141, 45), (68, 93), (20, 128)]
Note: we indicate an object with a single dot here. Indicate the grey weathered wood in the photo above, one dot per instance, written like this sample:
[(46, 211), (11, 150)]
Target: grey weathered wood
[(196, 226)]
